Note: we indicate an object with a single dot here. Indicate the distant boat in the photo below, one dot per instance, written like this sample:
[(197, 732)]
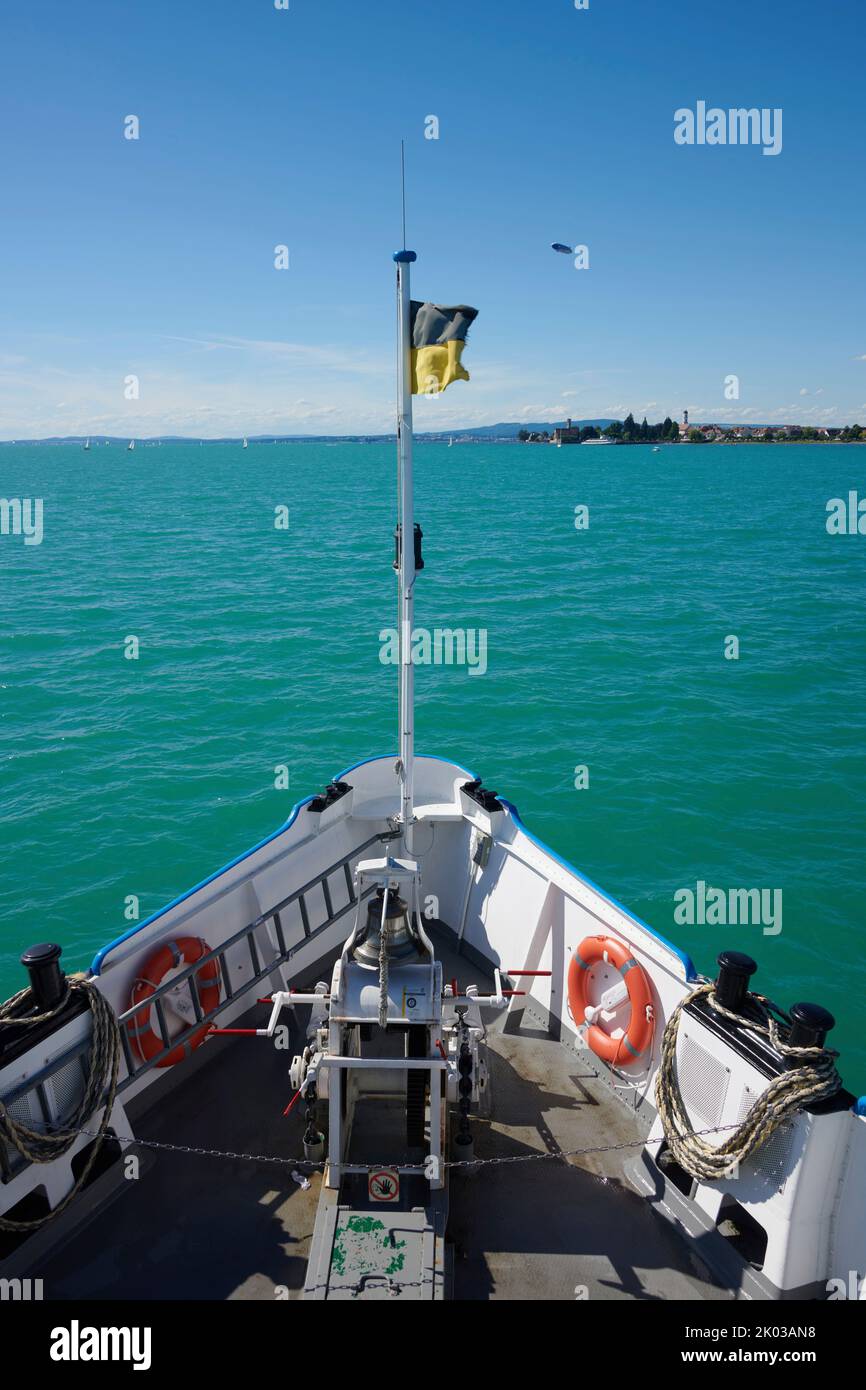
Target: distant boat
[(130, 445), (86, 445), (245, 444), (602, 440), (656, 449), (451, 442)]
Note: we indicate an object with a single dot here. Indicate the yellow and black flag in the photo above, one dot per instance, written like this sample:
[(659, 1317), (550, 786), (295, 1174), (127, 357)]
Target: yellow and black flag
[(437, 335)]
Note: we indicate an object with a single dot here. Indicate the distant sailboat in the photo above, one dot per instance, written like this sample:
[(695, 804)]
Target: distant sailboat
[(86, 445), (451, 442), (130, 445), (245, 444)]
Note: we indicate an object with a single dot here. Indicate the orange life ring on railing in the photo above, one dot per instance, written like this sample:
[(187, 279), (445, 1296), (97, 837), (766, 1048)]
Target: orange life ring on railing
[(636, 1037), (186, 950)]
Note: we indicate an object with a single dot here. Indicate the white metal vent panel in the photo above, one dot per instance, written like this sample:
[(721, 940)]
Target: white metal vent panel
[(703, 1081), (66, 1087), (771, 1159)]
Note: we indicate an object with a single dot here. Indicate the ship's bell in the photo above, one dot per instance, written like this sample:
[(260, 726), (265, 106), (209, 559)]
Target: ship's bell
[(401, 942)]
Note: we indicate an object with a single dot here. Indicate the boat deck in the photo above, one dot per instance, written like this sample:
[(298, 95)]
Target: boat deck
[(196, 1226)]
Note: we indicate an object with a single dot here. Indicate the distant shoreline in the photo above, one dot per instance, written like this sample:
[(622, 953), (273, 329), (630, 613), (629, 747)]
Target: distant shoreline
[(678, 443), (144, 443)]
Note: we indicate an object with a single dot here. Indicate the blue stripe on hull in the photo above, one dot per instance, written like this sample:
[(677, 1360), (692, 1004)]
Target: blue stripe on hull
[(99, 958)]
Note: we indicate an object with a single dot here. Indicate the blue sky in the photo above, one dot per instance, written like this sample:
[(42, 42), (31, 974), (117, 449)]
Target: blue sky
[(259, 127)]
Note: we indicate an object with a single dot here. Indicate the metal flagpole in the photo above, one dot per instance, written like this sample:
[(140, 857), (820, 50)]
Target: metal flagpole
[(406, 572)]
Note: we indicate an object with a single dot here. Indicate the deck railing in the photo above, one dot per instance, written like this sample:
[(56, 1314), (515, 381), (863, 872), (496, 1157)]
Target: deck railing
[(31, 1102)]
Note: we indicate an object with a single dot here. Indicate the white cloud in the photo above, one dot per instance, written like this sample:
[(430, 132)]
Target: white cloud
[(205, 384), (329, 358)]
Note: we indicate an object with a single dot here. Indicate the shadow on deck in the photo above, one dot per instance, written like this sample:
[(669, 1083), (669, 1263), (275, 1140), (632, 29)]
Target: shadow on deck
[(207, 1227)]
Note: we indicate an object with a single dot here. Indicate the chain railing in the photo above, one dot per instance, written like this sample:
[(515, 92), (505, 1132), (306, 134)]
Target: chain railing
[(319, 1165)]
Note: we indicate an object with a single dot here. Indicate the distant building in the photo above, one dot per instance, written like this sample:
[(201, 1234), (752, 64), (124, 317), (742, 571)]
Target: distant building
[(566, 434), (684, 427)]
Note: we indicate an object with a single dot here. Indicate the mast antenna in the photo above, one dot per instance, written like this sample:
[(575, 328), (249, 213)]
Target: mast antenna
[(405, 529), (403, 187)]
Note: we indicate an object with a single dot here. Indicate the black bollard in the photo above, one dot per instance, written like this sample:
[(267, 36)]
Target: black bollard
[(732, 984), (810, 1024), (47, 980)]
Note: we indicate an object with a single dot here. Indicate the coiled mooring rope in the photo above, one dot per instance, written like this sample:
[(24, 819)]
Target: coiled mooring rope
[(100, 1088), (816, 1079)]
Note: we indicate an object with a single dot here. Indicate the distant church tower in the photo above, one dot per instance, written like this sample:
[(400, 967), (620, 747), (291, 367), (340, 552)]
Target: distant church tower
[(685, 417)]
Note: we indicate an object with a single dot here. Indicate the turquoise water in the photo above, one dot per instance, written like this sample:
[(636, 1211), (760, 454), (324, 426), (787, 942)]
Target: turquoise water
[(605, 647)]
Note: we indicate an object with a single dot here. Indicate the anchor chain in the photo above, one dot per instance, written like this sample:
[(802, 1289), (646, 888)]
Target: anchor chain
[(463, 1140), (312, 1136)]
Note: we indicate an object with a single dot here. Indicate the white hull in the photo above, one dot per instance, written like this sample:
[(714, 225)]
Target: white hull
[(523, 910)]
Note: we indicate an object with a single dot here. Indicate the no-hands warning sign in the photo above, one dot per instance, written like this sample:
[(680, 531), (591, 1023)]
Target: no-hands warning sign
[(383, 1185)]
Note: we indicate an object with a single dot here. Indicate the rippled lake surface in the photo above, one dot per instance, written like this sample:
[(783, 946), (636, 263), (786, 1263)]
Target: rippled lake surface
[(605, 648)]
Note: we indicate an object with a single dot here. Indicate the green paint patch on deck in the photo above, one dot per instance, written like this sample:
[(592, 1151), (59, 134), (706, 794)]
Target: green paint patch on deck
[(365, 1246), (364, 1224)]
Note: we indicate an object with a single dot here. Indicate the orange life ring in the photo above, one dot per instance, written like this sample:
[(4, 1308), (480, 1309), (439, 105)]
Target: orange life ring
[(186, 950), (636, 1037)]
